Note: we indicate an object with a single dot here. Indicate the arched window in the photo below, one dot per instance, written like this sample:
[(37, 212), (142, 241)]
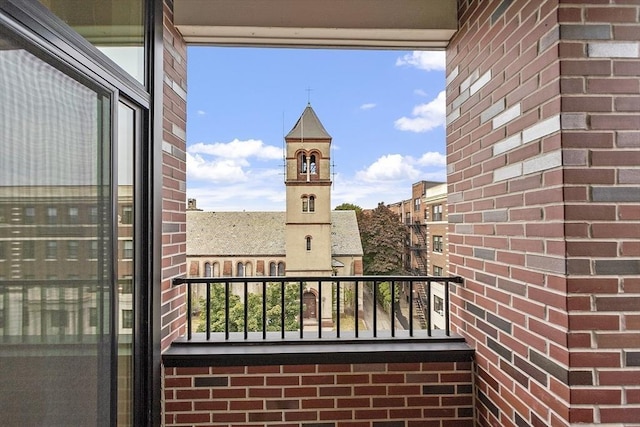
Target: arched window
[(303, 163), (281, 269), (248, 269), (312, 164), (216, 269), (240, 270), (272, 269), (308, 239), (305, 204), (207, 269), (312, 203)]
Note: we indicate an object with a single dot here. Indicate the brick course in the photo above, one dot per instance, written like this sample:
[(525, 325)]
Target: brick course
[(437, 394)]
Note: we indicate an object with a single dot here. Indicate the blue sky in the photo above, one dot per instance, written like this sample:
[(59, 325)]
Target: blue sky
[(384, 109)]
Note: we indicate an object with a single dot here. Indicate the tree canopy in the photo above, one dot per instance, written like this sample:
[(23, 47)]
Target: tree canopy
[(383, 237)]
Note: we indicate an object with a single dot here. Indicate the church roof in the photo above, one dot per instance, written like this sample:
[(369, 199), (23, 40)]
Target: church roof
[(308, 126), (260, 233)]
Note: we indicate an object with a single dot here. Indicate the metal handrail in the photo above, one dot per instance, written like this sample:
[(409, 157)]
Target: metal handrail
[(317, 326)]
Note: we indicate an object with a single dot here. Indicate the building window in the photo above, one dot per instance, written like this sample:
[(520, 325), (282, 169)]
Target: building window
[(207, 269), (436, 213), (125, 285), (127, 319), (72, 249), (240, 270), (416, 204), (93, 316), (127, 215), (28, 249), (281, 269), (437, 271), (29, 216), (73, 215), (52, 250), (127, 252), (438, 305), (305, 204), (2, 251), (312, 203), (407, 218), (303, 163), (59, 318), (52, 216), (308, 239), (272, 269), (437, 244), (93, 250), (93, 215)]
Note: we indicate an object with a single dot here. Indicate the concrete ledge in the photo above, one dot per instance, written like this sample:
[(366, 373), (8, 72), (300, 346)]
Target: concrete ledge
[(330, 351)]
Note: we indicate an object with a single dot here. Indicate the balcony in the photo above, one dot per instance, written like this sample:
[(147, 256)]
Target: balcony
[(315, 350)]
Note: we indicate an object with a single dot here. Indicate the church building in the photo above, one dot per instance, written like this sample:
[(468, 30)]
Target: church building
[(307, 239)]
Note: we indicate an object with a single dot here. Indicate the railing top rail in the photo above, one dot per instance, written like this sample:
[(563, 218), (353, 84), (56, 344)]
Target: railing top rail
[(278, 279)]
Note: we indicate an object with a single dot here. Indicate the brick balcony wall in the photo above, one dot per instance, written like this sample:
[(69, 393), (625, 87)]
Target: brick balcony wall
[(543, 146), (424, 394), (174, 179)]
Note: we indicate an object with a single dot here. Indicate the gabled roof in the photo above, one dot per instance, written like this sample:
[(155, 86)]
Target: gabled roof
[(260, 234), (308, 126)]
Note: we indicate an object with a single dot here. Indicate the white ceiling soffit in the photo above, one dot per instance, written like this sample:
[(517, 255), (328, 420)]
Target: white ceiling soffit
[(388, 24)]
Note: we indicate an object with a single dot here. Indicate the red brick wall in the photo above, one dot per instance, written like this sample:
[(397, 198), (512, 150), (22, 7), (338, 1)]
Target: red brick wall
[(600, 84), (382, 395), (543, 152), (173, 142)]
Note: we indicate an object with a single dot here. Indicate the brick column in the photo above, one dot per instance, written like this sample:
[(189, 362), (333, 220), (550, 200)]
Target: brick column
[(543, 153), (174, 187), (600, 85)]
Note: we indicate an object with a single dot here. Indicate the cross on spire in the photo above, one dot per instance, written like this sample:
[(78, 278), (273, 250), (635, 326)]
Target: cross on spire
[(309, 95)]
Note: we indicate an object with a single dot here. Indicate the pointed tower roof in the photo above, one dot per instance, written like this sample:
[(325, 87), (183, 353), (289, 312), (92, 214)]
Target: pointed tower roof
[(308, 126)]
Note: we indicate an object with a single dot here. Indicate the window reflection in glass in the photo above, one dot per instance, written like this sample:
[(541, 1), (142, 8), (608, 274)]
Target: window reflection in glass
[(55, 312), (115, 27)]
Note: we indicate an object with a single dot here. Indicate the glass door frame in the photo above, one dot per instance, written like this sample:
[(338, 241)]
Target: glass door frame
[(52, 40)]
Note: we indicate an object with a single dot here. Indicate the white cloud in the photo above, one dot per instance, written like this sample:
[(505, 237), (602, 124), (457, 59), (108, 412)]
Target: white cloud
[(388, 168), (425, 116), (201, 112), (428, 61), (217, 170), (368, 106), (420, 92), (432, 158), (237, 149)]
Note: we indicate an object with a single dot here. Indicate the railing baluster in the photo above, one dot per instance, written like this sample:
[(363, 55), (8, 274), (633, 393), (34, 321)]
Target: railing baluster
[(189, 311), (246, 309), (411, 308), (301, 300), (356, 301), (429, 307), (208, 308), (227, 284), (319, 309), (338, 309), (447, 328), (282, 309), (393, 308), (264, 310), (375, 308)]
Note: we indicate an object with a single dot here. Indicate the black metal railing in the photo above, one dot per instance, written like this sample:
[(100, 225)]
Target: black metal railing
[(297, 308)]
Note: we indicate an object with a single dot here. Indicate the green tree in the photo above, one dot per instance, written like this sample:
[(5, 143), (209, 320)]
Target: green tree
[(383, 238), (254, 309)]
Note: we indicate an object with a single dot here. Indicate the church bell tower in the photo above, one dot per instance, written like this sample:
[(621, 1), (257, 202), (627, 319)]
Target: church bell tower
[(308, 187)]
